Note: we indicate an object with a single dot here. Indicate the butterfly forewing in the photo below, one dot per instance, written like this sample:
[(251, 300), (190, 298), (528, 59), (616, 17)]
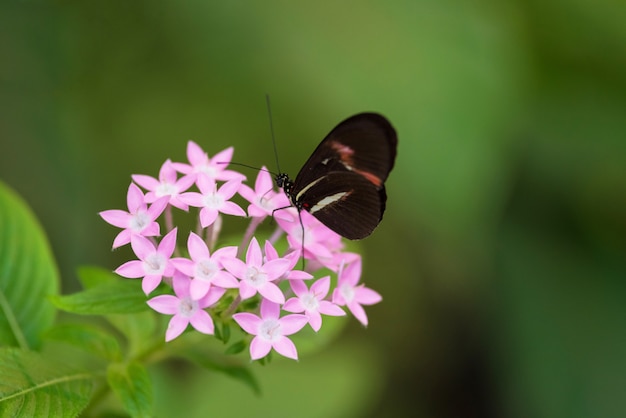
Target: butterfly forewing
[(364, 143)]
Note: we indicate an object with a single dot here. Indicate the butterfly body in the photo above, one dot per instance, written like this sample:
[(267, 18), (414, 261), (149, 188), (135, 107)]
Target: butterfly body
[(342, 182)]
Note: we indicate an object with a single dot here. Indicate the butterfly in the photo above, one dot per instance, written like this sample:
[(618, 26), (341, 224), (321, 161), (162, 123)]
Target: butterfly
[(342, 184)]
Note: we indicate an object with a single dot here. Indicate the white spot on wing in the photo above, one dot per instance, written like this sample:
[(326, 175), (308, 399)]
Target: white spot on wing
[(328, 200)]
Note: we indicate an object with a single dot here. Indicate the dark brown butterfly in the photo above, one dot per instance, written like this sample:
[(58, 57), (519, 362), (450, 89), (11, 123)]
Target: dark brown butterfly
[(342, 183)]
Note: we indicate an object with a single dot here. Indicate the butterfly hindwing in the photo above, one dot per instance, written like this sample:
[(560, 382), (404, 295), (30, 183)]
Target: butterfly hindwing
[(345, 202)]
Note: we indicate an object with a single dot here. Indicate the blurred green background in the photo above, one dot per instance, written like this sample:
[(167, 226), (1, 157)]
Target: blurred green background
[(502, 256)]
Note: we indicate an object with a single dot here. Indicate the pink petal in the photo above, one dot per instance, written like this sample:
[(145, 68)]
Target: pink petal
[(132, 269), (315, 320), (165, 304), (366, 296), (250, 323), (116, 217), (225, 280), (229, 189), (298, 287), (321, 287), (253, 255), (194, 199), (151, 230), (122, 238), (176, 326), (270, 251), (195, 154), (205, 184), (259, 348), (198, 249), (269, 309), (246, 291), (328, 308), (215, 294), (358, 312), (293, 305), (184, 265), (224, 253), (199, 288), (168, 244), (264, 182), (156, 209), (286, 347), (223, 157), (203, 322), (147, 182), (167, 173), (134, 198), (185, 182), (150, 282), (142, 247), (207, 216), (352, 273), (231, 208), (272, 292), (276, 268), (290, 324), (181, 285), (235, 266), (247, 193)]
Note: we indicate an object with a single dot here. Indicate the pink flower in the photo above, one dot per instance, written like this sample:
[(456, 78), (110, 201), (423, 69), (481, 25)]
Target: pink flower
[(206, 269), (263, 199), (257, 276), (186, 310), (214, 168), (270, 331), (312, 302), (293, 256), (349, 293), (320, 243), (212, 201), (168, 185), (139, 220), (153, 263)]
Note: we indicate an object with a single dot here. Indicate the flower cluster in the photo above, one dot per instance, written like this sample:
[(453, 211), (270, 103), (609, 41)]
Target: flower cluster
[(209, 273)]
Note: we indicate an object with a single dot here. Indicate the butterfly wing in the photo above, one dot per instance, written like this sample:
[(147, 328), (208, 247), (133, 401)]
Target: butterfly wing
[(364, 144), (346, 202)]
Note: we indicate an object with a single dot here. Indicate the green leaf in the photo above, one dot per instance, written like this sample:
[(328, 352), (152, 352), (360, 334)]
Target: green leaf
[(32, 386), (89, 338), (92, 276), (138, 329), (225, 365), (236, 348), (122, 296), (132, 385), (28, 274)]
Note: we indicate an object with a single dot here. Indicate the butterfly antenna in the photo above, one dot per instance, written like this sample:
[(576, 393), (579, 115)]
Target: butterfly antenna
[(269, 113)]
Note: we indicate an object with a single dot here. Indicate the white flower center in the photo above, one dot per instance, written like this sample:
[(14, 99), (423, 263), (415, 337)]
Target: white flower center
[(166, 189), (154, 264), (255, 277), (205, 270), (213, 201), (310, 302), (187, 307), (208, 170), (139, 221), (270, 330), (347, 292)]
